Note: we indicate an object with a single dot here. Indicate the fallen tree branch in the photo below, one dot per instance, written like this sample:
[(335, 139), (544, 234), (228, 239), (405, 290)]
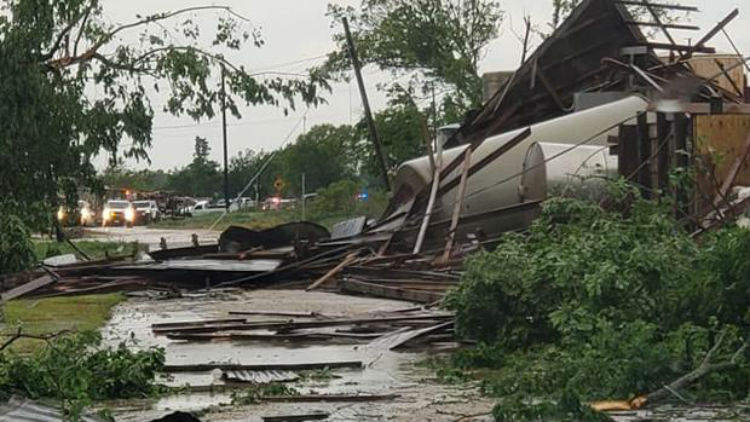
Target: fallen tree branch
[(19, 335), (705, 368)]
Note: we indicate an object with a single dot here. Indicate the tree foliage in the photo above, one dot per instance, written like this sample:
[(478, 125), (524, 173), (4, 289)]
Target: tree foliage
[(201, 177), (16, 250), (75, 370), (605, 303), (443, 39), (52, 53)]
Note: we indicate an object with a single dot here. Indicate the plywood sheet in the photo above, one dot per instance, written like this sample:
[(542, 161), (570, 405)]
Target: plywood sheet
[(718, 141)]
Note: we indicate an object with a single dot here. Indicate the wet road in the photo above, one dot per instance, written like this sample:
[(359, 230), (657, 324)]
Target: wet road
[(151, 237)]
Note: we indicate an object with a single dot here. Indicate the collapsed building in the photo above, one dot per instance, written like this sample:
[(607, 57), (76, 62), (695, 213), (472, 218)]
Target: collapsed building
[(594, 101)]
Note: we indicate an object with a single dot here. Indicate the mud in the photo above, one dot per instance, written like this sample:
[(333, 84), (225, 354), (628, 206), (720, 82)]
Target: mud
[(421, 398)]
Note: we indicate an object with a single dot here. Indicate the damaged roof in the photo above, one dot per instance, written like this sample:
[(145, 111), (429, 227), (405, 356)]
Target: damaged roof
[(573, 59)]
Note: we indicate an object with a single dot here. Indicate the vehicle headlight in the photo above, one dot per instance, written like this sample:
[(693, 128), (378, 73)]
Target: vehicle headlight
[(61, 214), (129, 214), (106, 214), (85, 214)]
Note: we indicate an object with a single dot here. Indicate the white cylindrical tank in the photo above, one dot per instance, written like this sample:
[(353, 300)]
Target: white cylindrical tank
[(497, 184), (574, 170)]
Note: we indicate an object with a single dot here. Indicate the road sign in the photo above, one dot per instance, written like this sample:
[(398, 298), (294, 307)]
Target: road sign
[(279, 184)]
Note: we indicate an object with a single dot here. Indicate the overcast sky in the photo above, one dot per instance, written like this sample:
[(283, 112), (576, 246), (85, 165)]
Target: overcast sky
[(297, 35)]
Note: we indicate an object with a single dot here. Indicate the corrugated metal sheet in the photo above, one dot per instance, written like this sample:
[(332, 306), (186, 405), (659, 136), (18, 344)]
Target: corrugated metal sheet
[(24, 410), (260, 377)]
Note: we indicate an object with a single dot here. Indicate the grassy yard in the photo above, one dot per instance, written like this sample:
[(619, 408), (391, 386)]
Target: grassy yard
[(43, 316), (94, 249)]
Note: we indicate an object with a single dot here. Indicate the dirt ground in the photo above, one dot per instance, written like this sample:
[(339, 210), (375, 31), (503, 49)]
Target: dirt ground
[(422, 398)]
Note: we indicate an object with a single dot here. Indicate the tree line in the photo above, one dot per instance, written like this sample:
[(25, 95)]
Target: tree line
[(325, 154)]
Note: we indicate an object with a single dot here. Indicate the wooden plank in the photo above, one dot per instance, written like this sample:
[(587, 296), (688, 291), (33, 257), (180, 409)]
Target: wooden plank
[(335, 270), (204, 367), (486, 160), (644, 152), (679, 47), (296, 325), (296, 418), (666, 25), (657, 19), (715, 30), (659, 5), (27, 288), (722, 136), (203, 322), (332, 398), (378, 290), (663, 130), (705, 108)]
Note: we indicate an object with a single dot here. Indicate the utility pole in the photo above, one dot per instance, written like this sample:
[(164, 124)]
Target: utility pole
[(224, 133), (366, 104), (304, 200)]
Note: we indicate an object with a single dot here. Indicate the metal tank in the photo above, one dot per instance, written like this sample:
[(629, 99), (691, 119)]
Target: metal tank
[(497, 185), (579, 171)]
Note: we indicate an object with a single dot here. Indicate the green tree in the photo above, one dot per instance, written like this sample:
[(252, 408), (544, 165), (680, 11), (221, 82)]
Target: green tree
[(323, 154), (443, 39), (201, 177), (401, 129), (52, 52)]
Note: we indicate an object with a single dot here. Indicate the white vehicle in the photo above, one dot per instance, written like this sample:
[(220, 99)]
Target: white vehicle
[(203, 207), (146, 211), (242, 204), (118, 212)]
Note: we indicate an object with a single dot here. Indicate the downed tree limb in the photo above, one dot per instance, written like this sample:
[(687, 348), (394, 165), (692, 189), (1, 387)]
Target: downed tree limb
[(705, 368), (20, 335)]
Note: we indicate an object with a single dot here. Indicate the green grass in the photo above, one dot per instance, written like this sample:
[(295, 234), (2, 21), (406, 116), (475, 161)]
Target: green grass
[(51, 315), (94, 249), (253, 220)]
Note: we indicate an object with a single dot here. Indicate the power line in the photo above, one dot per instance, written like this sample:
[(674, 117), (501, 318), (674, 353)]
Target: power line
[(262, 168)]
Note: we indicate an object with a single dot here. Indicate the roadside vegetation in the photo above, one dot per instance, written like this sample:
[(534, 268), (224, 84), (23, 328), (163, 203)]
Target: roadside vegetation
[(76, 370), (92, 248), (333, 204), (603, 301), (38, 317)]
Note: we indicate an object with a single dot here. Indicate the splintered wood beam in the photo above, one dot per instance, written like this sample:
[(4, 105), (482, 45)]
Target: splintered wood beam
[(551, 89), (666, 25), (680, 47), (486, 160), (715, 30), (663, 28), (724, 72), (659, 5)]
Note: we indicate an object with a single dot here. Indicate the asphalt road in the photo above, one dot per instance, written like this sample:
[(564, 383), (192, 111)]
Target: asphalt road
[(151, 237)]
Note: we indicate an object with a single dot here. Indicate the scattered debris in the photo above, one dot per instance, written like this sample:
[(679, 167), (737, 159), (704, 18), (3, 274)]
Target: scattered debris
[(24, 410)]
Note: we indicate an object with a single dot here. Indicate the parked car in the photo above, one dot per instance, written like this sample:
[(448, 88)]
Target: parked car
[(82, 214), (117, 211), (203, 207), (146, 212)]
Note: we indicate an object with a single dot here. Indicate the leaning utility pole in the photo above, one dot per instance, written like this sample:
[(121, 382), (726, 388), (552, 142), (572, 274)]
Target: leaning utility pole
[(366, 104), (224, 132)]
